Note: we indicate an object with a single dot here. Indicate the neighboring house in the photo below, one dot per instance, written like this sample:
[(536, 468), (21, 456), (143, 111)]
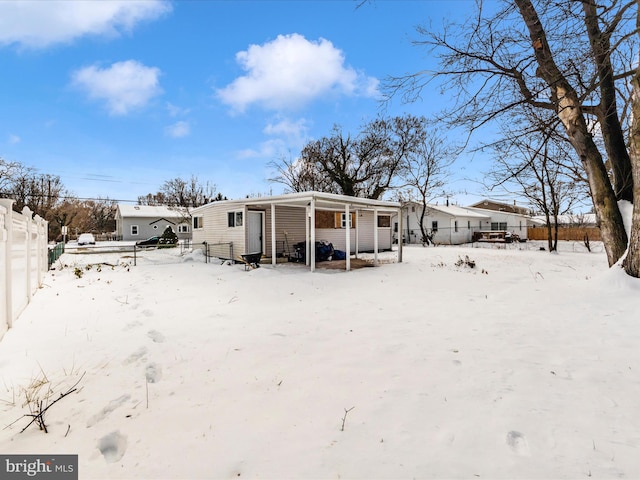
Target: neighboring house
[(487, 204), (454, 225), (139, 222), (450, 224), (274, 225), (515, 223)]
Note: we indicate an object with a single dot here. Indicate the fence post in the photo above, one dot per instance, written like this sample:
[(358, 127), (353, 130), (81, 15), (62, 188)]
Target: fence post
[(3, 277), (8, 221), (26, 213), (42, 239)]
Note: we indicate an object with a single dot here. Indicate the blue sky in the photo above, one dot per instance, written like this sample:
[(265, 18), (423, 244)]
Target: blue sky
[(116, 97)]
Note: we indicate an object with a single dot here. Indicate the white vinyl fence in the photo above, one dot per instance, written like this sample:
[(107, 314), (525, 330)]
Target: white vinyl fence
[(23, 260)]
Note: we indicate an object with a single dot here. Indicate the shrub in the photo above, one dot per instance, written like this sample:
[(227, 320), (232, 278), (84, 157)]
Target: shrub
[(168, 239)]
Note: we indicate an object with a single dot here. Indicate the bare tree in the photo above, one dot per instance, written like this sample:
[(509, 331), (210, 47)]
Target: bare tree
[(178, 192), (540, 167), (569, 108), (565, 62), (39, 192), (366, 165), (8, 171), (300, 175), (425, 173), (102, 213)]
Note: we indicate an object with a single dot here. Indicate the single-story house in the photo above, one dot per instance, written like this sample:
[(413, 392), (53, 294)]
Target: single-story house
[(139, 222), (274, 225), (450, 224), (503, 220)]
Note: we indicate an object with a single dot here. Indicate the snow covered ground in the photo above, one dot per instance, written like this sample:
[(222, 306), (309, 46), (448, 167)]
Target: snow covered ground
[(525, 366)]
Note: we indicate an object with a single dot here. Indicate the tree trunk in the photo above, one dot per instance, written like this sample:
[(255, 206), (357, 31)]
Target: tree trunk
[(631, 264), (612, 133), (569, 110)]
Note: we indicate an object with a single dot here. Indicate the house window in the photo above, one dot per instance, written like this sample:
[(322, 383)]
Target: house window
[(183, 228), (520, 226), (234, 219), (343, 220), (134, 229), (434, 226), (197, 222), (455, 226), (498, 225), (468, 224), (413, 209), (384, 221)]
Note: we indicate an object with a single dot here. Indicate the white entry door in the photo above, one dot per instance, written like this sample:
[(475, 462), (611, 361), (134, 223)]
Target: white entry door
[(254, 232)]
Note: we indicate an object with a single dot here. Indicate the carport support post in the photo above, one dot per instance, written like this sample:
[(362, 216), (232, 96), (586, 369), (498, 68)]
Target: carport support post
[(375, 237), (307, 234), (312, 247), (400, 235), (357, 234), (273, 234), (347, 241)]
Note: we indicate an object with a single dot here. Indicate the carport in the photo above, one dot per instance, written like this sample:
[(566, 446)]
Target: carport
[(314, 202)]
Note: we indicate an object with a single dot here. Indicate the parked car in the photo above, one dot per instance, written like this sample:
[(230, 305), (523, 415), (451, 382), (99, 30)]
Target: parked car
[(149, 242), (86, 239)]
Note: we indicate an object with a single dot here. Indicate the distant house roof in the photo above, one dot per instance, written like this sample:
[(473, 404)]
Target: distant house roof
[(151, 211), (581, 219), (500, 207), (456, 211)]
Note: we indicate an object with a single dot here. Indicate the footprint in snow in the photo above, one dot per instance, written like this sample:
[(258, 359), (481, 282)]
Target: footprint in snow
[(135, 356), (102, 414), (518, 443), (153, 373), (134, 324), (156, 336), (113, 446)]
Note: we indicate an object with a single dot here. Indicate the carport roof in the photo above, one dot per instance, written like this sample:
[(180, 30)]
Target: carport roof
[(303, 199)]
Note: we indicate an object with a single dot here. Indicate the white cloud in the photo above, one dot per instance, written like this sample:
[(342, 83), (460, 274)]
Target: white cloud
[(292, 132), (13, 139), (291, 71), (269, 149), (178, 130), (124, 86), (39, 24), (287, 128), (176, 111)]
